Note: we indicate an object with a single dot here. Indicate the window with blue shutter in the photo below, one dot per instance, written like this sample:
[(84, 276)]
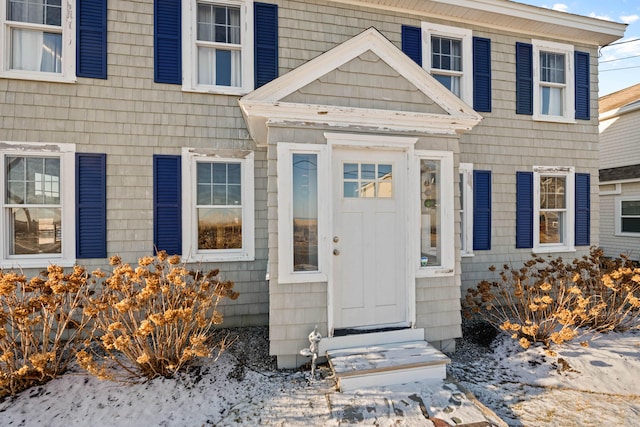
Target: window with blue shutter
[(482, 74), (167, 41), (583, 86), (265, 22), (91, 205), (167, 204), (524, 210), (583, 209), (91, 29), (481, 210), (412, 43), (524, 78)]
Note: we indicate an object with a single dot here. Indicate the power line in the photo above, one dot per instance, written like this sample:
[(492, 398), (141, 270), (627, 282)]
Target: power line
[(619, 69), (623, 42), (619, 59)]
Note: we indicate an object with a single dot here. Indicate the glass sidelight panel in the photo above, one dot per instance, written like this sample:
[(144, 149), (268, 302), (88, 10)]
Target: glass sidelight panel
[(430, 213), (305, 212)]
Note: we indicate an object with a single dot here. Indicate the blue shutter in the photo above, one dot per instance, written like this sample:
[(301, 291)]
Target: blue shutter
[(481, 210), (265, 21), (91, 205), (583, 209), (167, 204), (524, 78), (482, 74), (167, 41), (412, 43), (524, 210), (583, 87), (91, 34)]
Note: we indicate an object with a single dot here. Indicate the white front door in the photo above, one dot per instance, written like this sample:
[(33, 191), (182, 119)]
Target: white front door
[(369, 238)]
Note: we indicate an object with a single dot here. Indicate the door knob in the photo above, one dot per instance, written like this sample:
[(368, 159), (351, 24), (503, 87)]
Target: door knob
[(335, 239), (336, 252)]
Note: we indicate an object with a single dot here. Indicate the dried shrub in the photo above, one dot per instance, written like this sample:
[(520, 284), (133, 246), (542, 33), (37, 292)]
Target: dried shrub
[(550, 300), (41, 325), (154, 319)]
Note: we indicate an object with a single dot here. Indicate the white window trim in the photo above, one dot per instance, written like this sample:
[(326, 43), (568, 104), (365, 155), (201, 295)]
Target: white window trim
[(466, 228), (68, 23), (569, 92), (190, 53), (466, 81), (285, 213), (66, 257), (189, 212), (569, 230), (618, 215), (447, 226)]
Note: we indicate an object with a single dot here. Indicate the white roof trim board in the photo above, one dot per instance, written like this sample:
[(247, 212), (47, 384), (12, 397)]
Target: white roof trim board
[(264, 106), (506, 15)]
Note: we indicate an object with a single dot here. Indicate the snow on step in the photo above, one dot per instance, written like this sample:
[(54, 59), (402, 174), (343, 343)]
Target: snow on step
[(387, 364)]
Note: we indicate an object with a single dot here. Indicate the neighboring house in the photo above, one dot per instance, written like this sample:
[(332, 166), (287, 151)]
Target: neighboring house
[(350, 164), (620, 173)]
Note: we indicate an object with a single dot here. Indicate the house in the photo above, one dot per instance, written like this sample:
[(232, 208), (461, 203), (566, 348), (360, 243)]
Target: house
[(620, 173), (352, 164)]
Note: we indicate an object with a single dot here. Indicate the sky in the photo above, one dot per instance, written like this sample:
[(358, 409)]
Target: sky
[(620, 61)]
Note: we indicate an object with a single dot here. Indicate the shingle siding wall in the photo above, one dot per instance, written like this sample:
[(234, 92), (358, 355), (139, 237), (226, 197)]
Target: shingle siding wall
[(613, 244), (619, 141), (130, 118)]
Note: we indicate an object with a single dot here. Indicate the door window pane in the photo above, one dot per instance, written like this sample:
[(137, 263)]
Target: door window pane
[(305, 212), (430, 218), (367, 180)]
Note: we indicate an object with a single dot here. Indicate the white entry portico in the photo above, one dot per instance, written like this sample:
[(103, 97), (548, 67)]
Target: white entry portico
[(361, 211)]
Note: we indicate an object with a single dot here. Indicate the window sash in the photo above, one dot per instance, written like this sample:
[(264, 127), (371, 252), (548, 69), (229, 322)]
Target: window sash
[(630, 216)]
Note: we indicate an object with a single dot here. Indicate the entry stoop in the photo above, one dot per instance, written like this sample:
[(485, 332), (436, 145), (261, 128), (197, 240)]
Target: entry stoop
[(387, 364)]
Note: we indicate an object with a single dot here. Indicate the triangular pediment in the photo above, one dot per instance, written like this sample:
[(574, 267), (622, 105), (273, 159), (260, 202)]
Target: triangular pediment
[(365, 82)]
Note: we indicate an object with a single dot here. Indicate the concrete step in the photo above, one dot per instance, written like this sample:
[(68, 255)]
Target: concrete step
[(387, 364)]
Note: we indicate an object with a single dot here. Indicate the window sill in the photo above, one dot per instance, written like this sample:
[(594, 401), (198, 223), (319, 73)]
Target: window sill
[(553, 119), (311, 277), (553, 249), (43, 77), (20, 263), (218, 258), (627, 234), (435, 271), (240, 91), (467, 254)]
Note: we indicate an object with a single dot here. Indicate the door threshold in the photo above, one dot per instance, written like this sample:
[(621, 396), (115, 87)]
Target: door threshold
[(359, 331)]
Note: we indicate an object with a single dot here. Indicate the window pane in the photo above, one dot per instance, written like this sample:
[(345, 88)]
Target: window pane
[(35, 231), (36, 12), (234, 194), (552, 227), (219, 228), (305, 212), (219, 67), (552, 192), (552, 67), (631, 225), (450, 82), (430, 222), (551, 101), (36, 51), (367, 180), (631, 207), (446, 54)]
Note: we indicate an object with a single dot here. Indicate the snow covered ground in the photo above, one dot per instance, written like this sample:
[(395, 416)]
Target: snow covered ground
[(580, 386)]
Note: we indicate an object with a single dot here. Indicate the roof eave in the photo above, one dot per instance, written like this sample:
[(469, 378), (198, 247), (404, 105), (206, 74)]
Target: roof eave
[(508, 16)]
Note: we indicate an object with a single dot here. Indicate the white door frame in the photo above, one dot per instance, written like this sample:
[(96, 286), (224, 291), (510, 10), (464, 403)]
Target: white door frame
[(378, 142)]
